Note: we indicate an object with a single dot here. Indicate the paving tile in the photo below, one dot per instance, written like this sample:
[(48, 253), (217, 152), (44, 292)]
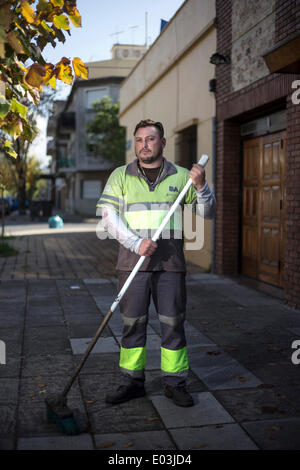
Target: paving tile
[(98, 362), (136, 415), (105, 345), (13, 338), (148, 440), (12, 314), (48, 365), (246, 296), (7, 443), (9, 390), (217, 437), (12, 366), (96, 281), (275, 434), (195, 337), (256, 404), (34, 390), (7, 420), (295, 330), (32, 419), (206, 410), (154, 383), (219, 371), (46, 340), (80, 442)]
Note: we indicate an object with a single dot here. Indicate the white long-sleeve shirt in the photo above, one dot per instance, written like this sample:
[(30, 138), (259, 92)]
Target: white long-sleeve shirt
[(113, 223)]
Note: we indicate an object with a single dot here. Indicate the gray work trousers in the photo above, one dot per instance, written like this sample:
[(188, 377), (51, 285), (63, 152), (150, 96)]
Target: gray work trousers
[(168, 291)]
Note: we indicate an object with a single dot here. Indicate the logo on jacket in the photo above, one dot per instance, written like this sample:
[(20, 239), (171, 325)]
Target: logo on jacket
[(173, 188)]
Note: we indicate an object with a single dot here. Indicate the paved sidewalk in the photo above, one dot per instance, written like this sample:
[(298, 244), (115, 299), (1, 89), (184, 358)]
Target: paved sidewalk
[(245, 386)]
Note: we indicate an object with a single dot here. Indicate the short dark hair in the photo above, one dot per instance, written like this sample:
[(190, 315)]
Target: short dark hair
[(148, 123)]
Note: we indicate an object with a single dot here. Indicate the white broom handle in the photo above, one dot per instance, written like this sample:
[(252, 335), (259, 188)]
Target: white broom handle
[(203, 161)]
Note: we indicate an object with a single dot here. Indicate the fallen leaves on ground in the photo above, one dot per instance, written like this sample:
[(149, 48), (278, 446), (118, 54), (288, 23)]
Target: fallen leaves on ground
[(105, 445), (273, 428), (265, 386), (242, 379), (269, 409), (128, 444)]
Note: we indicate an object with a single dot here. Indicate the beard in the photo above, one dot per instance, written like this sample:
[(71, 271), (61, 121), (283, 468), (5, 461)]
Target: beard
[(151, 158)]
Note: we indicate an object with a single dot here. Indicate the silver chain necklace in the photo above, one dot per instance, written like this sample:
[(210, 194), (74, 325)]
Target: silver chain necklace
[(152, 183)]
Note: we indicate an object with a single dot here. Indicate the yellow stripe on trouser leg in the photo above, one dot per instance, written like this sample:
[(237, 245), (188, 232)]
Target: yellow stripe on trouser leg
[(133, 358), (174, 361)]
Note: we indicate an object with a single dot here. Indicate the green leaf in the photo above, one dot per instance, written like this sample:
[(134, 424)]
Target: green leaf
[(57, 3), (4, 107), (43, 5), (61, 22), (46, 27), (19, 108), (9, 149)]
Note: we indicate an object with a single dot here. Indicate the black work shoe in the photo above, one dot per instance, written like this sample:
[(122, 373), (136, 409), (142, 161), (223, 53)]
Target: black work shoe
[(179, 395), (125, 393)]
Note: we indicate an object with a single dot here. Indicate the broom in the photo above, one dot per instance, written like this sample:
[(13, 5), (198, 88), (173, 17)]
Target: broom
[(56, 406)]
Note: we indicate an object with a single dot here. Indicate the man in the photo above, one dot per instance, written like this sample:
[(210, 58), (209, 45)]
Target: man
[(135, 200)]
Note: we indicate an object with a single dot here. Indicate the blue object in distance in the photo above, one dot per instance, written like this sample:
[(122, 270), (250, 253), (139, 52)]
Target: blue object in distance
[(55, 222)]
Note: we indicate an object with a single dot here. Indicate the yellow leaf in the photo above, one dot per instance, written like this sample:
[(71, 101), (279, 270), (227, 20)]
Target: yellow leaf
[(14, 128), (35, 75), (57, 3), (27, 12), (80, 69), (22, 67), (128, 444), (61, 22), (49, 78), (75, 17), (52, 82), (63, 71), (105, 445)]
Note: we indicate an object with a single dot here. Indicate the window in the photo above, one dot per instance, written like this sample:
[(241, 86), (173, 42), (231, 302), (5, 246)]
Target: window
[(186, 147), (96, 94), (91, 189)]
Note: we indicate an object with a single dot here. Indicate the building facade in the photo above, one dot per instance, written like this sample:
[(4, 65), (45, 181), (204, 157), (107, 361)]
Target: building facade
[(258, 143), (80, 172), (171, 84)]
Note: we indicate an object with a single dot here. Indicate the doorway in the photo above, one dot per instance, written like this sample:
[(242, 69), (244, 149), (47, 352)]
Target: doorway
[(263, 208)]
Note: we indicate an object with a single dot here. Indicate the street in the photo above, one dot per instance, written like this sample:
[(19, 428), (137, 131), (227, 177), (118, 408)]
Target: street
[(54, 294)]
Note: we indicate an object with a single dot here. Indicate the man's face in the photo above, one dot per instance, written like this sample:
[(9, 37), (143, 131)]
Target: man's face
[(148, 144)]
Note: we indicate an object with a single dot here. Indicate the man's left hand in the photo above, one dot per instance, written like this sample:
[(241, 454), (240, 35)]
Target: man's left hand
[(197, 175)]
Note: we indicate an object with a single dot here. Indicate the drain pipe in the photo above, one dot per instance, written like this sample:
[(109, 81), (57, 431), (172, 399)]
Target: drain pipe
[(214, 157)]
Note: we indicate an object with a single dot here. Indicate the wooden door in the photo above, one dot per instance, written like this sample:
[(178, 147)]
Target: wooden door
[(263, 234)]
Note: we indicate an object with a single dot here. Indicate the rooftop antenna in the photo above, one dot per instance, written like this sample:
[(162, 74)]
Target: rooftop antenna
[(133, 28), (117, 35), (146, 29)]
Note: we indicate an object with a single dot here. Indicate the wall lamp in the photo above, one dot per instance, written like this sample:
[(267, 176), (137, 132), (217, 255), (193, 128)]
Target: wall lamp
[(219, 59)]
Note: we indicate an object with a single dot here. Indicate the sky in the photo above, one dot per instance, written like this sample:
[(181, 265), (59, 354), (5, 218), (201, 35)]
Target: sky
[(105, 23)]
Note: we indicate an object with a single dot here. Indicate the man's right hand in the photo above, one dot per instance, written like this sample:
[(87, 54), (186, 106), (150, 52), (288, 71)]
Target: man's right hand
[(147, 247)]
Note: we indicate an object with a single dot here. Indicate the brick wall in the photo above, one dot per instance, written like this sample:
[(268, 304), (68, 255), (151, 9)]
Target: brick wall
[(223, 72), (287, 19), (228, 199), (262, 96), (292, 257)]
